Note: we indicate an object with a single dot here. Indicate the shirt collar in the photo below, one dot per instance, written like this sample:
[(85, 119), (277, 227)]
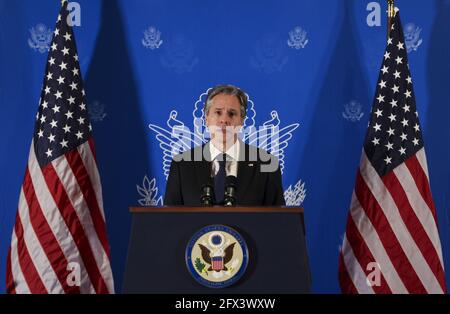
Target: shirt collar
[(232, 152)]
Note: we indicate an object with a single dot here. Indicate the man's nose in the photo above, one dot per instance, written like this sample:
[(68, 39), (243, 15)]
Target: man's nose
[(225, 120)]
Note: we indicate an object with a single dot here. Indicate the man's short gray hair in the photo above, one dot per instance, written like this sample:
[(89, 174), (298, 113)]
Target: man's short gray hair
[(227, 90)]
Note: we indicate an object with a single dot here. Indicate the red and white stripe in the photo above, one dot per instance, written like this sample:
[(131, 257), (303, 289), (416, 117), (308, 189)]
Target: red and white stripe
[(217, 264), (60, 220), (392, 222)]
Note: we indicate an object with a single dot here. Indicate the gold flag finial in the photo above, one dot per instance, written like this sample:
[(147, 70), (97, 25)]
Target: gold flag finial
[(391, 14)]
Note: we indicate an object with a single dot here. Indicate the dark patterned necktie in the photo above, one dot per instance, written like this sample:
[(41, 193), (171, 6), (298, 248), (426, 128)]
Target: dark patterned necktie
[(219, 179)]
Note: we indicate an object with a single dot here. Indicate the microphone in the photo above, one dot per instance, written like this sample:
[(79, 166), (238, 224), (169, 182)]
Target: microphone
[(230, 191), (207, 195)]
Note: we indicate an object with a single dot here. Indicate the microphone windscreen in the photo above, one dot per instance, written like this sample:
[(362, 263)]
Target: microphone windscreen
[(230, 180)]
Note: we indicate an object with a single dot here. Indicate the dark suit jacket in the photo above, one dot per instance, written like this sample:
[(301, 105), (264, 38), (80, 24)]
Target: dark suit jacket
[(254, 187)]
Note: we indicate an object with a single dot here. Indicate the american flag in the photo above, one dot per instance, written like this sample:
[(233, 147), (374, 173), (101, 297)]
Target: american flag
[(392, 244), (59, 242)]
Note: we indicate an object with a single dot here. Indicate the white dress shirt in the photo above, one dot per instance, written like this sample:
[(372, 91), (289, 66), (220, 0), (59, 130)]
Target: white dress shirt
[(232, 159)]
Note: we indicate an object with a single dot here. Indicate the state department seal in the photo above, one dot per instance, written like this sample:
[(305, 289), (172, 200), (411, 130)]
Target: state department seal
[(217, 256)]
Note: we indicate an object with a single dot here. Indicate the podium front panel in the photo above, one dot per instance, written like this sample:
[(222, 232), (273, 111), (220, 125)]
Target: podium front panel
[(278, 261)]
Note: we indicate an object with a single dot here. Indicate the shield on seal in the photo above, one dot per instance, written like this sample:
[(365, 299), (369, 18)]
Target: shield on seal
[(217, 263)]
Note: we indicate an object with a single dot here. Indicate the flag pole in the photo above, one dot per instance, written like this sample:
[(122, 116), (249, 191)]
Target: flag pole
[(391, 14)]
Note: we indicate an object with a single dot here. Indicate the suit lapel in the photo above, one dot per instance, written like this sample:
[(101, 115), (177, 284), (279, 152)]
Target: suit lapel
[(203, 167), (245, 171)]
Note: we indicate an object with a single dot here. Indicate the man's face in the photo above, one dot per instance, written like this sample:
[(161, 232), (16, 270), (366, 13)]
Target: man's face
[(224, 118)]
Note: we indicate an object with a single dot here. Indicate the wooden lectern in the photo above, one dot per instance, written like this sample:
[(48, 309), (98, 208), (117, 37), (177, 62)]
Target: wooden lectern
[(275, 236)]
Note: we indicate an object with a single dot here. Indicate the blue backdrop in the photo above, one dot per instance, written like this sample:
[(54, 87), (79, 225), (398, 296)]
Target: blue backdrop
[(308, 66)]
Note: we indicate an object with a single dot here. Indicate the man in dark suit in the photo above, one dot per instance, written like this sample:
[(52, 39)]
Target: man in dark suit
[(257, 173)]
